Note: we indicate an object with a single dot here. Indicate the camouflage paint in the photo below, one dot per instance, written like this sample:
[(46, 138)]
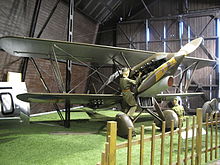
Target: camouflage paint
[(159, 73)]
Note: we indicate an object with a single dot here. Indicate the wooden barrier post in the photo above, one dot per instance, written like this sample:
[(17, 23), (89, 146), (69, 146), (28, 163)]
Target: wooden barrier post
[(153, 144), (106, 153), (216, 135), (171, 142), (103, 160), (186, 141), (199, 136), (111, 136), (193, 140), (142, 146), (129, 146), (162, 143), (179, 142), (207, 137), (211, 138)]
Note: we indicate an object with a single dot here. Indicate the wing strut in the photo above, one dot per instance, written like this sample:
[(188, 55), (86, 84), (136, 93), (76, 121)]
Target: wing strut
[(189, 82), (126, 61), (184, 72), (46, 88), (95, 70), (56, 70)]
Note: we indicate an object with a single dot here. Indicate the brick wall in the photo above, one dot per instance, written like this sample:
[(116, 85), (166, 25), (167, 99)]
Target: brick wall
[(15, 19)]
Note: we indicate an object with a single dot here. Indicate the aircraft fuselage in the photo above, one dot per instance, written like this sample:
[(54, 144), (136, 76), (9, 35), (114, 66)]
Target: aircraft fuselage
[(162, 75)]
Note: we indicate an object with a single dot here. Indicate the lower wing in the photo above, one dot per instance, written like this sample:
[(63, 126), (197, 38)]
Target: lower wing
[(91, 100), (169, 97)]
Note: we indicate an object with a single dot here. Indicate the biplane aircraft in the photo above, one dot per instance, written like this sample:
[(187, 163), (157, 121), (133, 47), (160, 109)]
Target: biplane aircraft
[(157, 69)]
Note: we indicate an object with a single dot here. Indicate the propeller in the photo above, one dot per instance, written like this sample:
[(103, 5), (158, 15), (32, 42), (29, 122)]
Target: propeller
[(190, 47)]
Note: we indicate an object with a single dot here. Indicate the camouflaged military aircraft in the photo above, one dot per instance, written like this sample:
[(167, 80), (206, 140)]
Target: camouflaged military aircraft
[(157, 69)]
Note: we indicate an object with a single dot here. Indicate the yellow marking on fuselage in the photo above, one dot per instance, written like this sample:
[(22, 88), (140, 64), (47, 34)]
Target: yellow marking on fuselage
[(160, 71)]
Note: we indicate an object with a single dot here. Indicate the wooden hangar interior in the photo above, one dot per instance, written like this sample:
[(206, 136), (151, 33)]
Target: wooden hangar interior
[(154, 25)]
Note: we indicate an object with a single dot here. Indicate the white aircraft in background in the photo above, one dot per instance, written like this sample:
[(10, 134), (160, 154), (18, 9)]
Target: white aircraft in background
[(10, 106)]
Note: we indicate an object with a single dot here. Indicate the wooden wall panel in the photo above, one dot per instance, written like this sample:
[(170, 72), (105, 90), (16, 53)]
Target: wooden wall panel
[(128, 34), (156, 30), (165, 8), (203, 4)]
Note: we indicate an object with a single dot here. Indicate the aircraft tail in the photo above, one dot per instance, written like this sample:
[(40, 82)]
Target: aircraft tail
[(190, 47)]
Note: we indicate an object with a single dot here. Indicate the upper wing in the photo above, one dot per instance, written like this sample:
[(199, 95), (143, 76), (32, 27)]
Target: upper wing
[(92, 100), (42, 48), (171, 96)]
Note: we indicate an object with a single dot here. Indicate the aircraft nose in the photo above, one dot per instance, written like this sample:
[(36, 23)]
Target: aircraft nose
[(179, 58)]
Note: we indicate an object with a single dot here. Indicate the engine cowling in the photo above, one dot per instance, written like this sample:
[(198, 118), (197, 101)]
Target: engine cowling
[(160, 86)]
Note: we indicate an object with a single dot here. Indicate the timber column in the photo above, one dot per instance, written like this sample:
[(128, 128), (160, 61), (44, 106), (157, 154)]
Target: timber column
[(69, 63), (24, 63)]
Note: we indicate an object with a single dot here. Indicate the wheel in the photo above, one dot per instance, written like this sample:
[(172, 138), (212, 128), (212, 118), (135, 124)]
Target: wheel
[(209, 107), (169, 116), (123, 123)]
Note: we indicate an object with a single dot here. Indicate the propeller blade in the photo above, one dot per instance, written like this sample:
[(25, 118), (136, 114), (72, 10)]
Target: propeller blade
[(190, 47)]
